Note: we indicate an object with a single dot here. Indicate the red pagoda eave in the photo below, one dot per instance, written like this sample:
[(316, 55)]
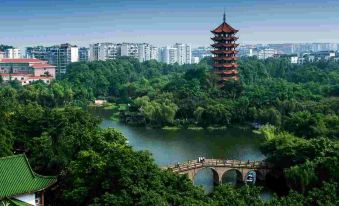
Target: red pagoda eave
[(224, 28), (228, 72), (225, 52), (225, 58), (230, 38), (220, 45), (226, 65)]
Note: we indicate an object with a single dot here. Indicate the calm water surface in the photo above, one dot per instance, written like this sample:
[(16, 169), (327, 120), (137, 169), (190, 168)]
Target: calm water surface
[(169, 147)]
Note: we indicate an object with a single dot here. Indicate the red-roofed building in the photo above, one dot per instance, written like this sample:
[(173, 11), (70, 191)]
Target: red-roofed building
[(26, 70), (224, 53)]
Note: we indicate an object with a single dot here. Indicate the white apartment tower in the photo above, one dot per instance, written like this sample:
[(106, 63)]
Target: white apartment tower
[(144, 52), (63, 55), (147, 52), (130, 50), (169, 55), (184, 53), (12, 53), (154, 53), (104, 51)]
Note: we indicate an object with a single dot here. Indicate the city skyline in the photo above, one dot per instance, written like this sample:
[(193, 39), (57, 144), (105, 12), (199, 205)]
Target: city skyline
[(36, 22)]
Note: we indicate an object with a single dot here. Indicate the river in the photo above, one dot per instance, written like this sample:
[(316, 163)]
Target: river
[(172, 146)]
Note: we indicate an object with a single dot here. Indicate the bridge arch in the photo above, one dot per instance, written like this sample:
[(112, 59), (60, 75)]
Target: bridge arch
[(233, 176), (215, 174)]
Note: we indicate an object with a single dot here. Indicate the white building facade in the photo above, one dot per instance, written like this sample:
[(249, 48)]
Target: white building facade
[(12, 54), (184, 53)]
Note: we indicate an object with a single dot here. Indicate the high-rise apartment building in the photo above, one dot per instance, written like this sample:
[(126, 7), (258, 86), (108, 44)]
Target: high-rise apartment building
[(58, 55), (12, 53), (169, 55), (184, 53), (2, 54), (61, 56), (130, 50), (147, 52), (144, 52), (104, 51), (38, 52), (154, 53), (83, 54)]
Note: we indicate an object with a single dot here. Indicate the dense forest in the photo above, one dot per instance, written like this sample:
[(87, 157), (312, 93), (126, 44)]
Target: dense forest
[(297, 104)]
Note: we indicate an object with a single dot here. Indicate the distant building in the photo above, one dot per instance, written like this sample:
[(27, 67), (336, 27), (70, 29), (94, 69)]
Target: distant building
[(202, 52), (130, 50), (59, 55), (12, 53), (83, 54), (282, 48), (195, 60), (104, 51), (325, 55), (154, 53), (20, 185), (184, 53), (169, 55), (294, 59), (2, 54), (315, 56), (147, 52), (178, 53), (267, 53), (26, 71), (38, 52)]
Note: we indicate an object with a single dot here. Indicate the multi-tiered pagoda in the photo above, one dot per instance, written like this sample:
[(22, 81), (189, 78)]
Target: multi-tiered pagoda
[(225, 65)]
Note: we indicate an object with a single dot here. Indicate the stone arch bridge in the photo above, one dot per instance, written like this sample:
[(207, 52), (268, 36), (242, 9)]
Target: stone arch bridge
[(221, 167)]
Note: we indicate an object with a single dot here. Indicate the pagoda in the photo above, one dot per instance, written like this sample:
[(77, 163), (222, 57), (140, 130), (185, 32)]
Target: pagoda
[(224, 53)]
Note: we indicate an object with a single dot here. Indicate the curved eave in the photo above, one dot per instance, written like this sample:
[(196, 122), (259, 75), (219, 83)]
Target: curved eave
[(225, 32), (226, 58), (227, 72), (225, 52), (233, 65), (222, 45), (234, 38)]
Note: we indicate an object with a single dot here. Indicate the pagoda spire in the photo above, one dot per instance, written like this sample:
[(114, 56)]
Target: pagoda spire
[(224, 16)]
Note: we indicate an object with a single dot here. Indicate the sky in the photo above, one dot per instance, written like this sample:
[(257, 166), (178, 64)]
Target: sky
[(165, 22)]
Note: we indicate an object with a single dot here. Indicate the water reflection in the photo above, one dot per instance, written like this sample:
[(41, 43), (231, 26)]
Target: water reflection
[(169, 147)]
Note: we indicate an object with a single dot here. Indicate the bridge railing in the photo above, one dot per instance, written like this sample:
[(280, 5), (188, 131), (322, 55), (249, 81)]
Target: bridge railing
[(194, 164)]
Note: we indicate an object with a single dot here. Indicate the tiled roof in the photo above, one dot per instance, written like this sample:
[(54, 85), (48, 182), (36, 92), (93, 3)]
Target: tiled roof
[(21, 61), (17, 177), (15, 74), (40, 66), (13, 202), (224, 28)]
